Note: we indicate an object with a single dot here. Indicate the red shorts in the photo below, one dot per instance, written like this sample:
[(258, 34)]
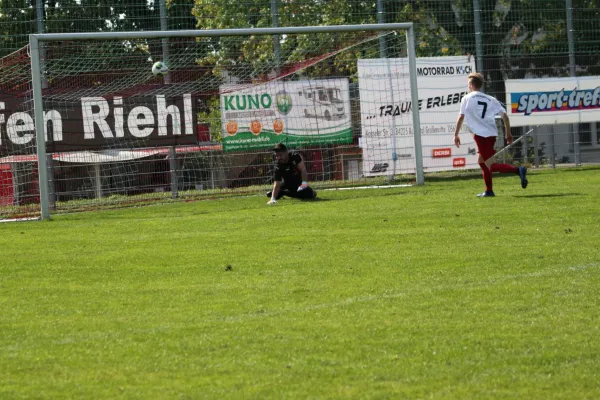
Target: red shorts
[(485, 146)]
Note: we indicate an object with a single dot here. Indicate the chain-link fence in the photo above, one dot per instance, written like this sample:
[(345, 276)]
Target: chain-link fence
[(509, 41)]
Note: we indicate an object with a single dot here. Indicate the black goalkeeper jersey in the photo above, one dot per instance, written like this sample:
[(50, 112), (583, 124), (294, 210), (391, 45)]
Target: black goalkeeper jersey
[(289, 171)]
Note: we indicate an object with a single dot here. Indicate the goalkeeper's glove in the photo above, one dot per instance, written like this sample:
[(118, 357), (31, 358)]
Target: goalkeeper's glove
[(272, 201), (303, 186)]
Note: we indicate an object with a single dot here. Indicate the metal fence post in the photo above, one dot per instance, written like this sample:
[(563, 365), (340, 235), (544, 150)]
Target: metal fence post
[(573, 72), (167, 80), (552, 146), (165, 41), (381, 20), (478, 36), (275, 24)]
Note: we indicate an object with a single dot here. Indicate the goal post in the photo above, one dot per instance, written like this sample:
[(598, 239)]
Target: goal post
[(40, 66), (40, 135)]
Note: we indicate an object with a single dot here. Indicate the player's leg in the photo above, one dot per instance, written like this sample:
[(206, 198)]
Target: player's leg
[(286, 189), (504, 169), (511, 169), (291, 190), (307, 193), (485, 147), (521, 171), (523, 175)]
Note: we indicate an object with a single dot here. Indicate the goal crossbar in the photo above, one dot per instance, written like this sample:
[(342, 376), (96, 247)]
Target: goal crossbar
[(36, 40), (406, 26)]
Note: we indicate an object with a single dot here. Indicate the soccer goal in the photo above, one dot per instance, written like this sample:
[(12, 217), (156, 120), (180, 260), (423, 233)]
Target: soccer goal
[(98, 126)]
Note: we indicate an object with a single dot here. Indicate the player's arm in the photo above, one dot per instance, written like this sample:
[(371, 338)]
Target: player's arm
[(275, 192), (507, 133), (277, 178), (459, 122), (303, 175)]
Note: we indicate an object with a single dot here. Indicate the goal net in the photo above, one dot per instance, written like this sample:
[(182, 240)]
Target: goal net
[(117, 134)]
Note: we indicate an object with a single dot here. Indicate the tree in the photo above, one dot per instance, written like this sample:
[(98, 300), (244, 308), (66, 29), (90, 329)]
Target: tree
[(18, 18), (526, 38), (16, 22)]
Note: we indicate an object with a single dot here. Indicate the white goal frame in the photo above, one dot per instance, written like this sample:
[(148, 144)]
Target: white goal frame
[(36, 48)]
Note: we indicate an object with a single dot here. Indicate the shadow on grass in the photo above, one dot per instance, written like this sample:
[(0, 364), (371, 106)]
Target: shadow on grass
[(476, 173), (550, 195), (345, 195), (571, 169), (315, 200), (451, 178)]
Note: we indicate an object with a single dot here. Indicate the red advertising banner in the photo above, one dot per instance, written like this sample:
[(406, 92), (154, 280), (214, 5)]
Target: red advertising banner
[(95, 123)]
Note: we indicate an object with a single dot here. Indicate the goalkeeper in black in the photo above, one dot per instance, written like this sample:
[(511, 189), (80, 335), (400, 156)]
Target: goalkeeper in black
[(290, 177)]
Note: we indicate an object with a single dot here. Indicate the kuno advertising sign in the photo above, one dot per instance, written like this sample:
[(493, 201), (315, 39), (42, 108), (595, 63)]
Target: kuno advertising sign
[(386, 114), (298, 113)]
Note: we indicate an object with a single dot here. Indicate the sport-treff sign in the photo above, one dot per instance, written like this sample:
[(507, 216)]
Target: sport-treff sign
[(386, 114), (93, 123), (550, 101), (298, 113)]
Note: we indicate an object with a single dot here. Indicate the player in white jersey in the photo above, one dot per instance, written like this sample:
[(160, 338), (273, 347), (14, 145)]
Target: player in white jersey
[(480, 112)]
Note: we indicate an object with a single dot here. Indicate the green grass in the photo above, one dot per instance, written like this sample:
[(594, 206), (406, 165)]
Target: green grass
[(422, 292)]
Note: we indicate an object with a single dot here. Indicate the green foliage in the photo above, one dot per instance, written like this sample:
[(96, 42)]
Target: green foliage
[(256, 53), (212, 115), (422, 292), (18, 18), (520, 37), (517, 35)]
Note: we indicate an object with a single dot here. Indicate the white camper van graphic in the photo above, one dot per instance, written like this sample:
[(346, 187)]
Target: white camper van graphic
[(322, 102)]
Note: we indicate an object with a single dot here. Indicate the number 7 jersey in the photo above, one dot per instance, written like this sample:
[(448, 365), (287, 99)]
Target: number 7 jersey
[(480, 112)]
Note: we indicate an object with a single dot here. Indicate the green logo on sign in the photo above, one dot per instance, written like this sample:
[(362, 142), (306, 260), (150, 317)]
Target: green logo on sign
[(284, 102)]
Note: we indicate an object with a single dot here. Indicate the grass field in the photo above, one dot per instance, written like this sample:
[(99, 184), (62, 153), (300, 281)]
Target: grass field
[(421, 292)]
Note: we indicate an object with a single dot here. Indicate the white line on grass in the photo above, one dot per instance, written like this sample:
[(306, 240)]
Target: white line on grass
[(375, 297), (21, 219), (371, 187), (348, 301)]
